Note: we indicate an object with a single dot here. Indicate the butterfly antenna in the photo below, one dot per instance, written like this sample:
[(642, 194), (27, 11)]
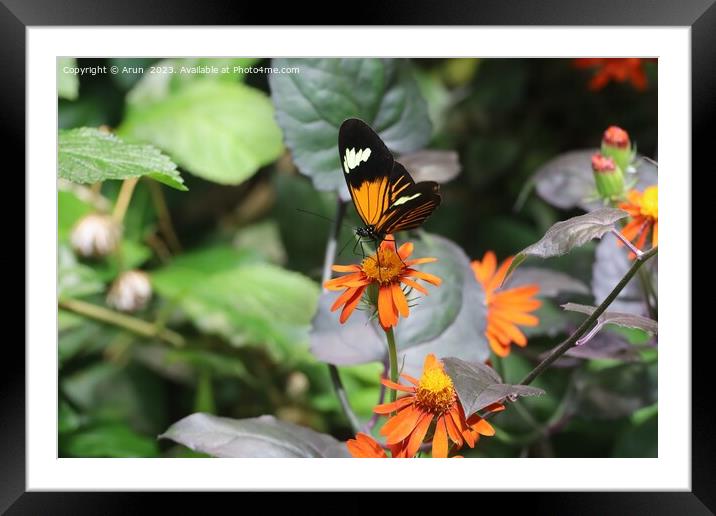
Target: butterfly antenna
[(329, 219)]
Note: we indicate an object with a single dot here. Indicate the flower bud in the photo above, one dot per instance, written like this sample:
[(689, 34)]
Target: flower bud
[(608, 176), (130, 292), (95, 236), (617, 145)]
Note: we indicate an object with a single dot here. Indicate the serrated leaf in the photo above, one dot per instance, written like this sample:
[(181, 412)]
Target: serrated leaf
[(618, 318), (259, 437), (219, 131), (450, 320), (478, 385), (68, 84), (567, 181), (312, 104), (88, 155), (432, 165), (563, 236)]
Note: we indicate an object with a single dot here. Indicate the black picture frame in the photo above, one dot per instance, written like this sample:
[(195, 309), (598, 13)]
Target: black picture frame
[(699, 15)]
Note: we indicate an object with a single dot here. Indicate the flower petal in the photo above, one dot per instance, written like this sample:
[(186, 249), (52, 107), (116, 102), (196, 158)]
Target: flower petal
[(440, 442), (401, 425), (405, 250), (396, 386), (399, 299), (351, 305), (413, 284), (430, 278), (387, 408), (386, 314), (418, 435), (346, 268)]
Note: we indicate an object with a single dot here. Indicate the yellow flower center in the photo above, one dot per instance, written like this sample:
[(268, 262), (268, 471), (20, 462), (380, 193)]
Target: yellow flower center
[(435, 391), (383, 267), (650, 203)]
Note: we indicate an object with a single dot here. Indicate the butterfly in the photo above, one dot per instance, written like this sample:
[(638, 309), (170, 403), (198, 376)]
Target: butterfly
[(386, 198)]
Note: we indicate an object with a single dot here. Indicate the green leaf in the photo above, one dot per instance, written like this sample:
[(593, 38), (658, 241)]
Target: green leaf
[(87, 155), (618, 318), (259, 437), (563, 236), (312, 104), (478, 386), (73, 278), (244, 302), (451, 320), (108, 440), (219, 131), (68, 84), (171, 75)]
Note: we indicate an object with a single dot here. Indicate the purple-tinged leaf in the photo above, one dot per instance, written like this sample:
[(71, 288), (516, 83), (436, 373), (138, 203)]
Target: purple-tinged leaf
[(605, 345), (550, 282), (258, 437), (479, 386), (567, 181), (432, 165), (611, 263), (565, 235), (618, 318)]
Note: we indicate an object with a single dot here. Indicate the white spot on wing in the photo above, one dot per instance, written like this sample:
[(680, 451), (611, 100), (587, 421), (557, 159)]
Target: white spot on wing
[(405, 198), (354, 158)]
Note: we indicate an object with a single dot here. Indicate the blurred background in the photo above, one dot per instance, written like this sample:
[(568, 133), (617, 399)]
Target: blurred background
[(505, 118)]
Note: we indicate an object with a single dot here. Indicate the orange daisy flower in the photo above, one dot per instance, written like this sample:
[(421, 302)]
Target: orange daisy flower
[(614, 69), (643, 209), (432, 399), (389, 271), (506, 309)]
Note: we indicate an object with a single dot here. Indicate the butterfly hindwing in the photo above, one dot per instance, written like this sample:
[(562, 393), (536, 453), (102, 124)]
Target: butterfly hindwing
[(385, 196), (410, 203)]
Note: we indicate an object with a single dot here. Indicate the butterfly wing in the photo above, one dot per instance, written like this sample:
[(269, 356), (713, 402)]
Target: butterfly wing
[(409, 203), (367, 165), (384, 194)]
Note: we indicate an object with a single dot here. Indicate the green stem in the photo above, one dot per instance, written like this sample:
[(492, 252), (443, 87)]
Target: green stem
[(127, 322), (393, 357), (562, 348)]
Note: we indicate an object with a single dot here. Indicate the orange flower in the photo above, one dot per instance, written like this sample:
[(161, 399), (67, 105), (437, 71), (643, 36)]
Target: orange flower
[(365, 447), (432, 399), (614, 69), (387, 270), (505, 308), (643, 208)]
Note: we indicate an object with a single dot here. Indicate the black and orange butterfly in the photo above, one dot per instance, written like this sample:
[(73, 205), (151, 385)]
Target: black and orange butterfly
[(385, 196)]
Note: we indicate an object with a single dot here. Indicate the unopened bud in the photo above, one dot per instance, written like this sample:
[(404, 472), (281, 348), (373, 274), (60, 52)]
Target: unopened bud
[(608, 177), (131, 291), (95, 236), (617, 145)]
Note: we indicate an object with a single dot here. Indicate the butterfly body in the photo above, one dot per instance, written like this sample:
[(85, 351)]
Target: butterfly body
[(384, 194)]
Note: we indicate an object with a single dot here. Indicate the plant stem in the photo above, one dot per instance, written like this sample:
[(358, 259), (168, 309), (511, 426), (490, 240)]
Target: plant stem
[(634, 249), (165, 219), (330, 256), (393, 357), (381, 398), (137, 326), (125, 195), (587, 324)]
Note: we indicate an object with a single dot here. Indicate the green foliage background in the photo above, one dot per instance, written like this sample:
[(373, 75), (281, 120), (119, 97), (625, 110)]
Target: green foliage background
[(244, 284)]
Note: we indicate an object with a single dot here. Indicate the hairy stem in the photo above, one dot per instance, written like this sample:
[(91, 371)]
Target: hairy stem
[(165, 219), (127, 322), (330, 256), (393, 357), (562, 348), (125, 195)]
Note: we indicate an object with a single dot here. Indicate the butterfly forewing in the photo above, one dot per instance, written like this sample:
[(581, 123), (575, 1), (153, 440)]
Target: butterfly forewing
[(385, 196)]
